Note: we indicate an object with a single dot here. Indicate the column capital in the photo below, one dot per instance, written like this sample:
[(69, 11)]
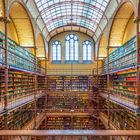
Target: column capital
[(4, 19), (136, 19)]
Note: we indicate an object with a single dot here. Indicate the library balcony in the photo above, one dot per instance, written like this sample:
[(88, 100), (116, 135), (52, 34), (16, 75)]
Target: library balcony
[(69, 69)]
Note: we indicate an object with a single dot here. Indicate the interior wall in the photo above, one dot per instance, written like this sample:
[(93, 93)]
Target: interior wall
[(40, 52), (11, 28), (130, 30), (19, 25), (65, 69), (75, 69), (103, 46), (120, 28), (61, 37), (12, 32), (22, 23)]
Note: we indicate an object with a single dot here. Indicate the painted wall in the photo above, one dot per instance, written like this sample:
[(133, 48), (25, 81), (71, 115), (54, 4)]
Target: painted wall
[(11, 29), (130, 30), (61, 37), (13, 25), (103, 46), (68, 69), (40, 52)]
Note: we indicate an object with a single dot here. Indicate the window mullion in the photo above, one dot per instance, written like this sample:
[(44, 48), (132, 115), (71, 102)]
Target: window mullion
[(73, 49), (69, 50), (86, 52), (56, 52)]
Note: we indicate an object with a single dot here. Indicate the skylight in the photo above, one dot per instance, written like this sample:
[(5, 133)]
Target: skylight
[(58, 13)]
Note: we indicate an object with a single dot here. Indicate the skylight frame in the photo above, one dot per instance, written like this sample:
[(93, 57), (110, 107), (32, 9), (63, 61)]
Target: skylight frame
[(85, 13)]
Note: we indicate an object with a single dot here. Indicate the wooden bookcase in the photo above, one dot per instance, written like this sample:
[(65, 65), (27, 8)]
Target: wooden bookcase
[(19, 117), (121, 95), (26, 85), (67, 122), (67, 101), (121, 117), (68, 83), (122, 58)]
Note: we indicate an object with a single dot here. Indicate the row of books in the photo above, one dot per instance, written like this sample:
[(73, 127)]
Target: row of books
[(19, 85), (121, 58), (68, 83), (64, 100), (18, 118), (18, 57), (124, 85), (121, 117), (67, 123)]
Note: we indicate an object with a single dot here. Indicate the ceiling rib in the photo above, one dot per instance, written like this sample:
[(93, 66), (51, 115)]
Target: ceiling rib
[(83, 12)]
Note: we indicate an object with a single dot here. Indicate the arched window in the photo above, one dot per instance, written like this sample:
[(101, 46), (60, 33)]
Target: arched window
[(56, 51), (71, 48), (87, 51)]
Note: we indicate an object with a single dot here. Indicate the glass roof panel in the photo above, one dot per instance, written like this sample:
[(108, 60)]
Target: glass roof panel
[(85, 13)]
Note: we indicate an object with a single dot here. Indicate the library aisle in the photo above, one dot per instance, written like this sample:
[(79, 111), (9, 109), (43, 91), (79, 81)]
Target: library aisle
[(69, 69)]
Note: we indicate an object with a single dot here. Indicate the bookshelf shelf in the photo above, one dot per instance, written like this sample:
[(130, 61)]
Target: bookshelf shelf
[(122, 58), (18, 118), (19, 57), (24, 79), (67, 122), (121, 117), (68, 83)]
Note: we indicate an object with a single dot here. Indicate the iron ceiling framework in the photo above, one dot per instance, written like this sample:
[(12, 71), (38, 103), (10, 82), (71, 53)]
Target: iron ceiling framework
[(83, 13)]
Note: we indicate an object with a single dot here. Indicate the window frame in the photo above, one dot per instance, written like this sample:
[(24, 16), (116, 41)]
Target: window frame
[(74, 56), (87, 54), (56, 61)]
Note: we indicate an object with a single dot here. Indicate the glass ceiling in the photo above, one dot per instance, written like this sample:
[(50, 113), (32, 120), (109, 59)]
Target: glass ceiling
[(58, 13)]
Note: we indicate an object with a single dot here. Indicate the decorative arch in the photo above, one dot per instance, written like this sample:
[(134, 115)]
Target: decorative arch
[(120, 23), (40, 45), (22, 24), (70, 28), (12, 33), (102, 51)]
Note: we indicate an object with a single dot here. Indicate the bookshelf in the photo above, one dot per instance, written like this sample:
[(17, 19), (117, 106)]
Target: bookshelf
[(18, 118), (26, 84), (41, 83), (68, 83), (122, 73), (121, 96), (2, 85), (122, 118), (58, 101), (20, 85), (41, 103), (100, 81), (122, 58), (124, 86), (18, 57), (2, 49), (67, 122)]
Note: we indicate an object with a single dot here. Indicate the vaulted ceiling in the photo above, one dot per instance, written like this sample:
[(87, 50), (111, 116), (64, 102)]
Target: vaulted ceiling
[(84, 13)]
